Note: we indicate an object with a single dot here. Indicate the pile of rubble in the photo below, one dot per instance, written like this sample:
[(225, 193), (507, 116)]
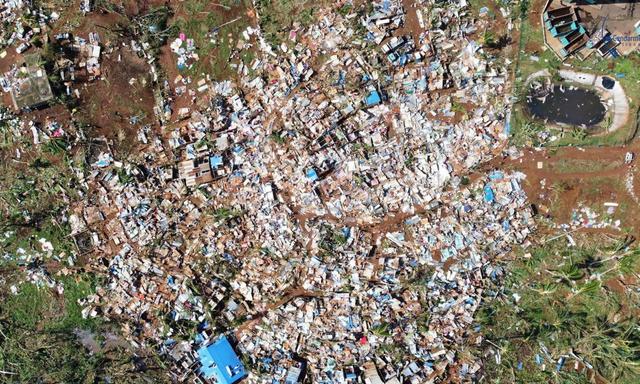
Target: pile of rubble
[(321, 210), (325, 212), (186, 50)]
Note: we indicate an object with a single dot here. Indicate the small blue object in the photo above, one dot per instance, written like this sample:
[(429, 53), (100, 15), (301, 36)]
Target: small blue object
[(221, 362), (619, 75), (215, 161), (373, 98), (202, 326), (484, 10), (560, 364), (520, 365), (311, 174), (496, 175), (538, 359), (489, 197)]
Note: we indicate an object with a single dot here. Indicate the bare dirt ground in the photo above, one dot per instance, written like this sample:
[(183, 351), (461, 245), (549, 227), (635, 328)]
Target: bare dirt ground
[(534, 18), (573, 177), (124, 91)]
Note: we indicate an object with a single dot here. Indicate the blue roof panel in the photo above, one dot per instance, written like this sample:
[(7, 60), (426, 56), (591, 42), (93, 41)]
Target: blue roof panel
[(220, 361), (373, 98)]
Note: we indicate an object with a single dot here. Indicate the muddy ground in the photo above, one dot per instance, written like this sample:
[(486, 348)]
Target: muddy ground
[(560, 181)]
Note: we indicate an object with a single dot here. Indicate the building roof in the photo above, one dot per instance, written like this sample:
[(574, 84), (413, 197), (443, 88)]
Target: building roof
[(32, 88), (220, 362)]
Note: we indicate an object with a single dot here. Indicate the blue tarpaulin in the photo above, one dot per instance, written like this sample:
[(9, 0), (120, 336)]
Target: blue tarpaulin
[(311, 174), (373, 98), (215, 161), (488, 194), (496, 175)]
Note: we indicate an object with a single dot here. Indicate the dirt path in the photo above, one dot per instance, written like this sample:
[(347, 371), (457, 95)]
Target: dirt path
[(288, 296)]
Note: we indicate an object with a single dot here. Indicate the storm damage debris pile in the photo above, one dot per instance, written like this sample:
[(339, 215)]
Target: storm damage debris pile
[(318, 210), (86, 54), (22, 23), (186, 50), (410, 303), (27, 84)]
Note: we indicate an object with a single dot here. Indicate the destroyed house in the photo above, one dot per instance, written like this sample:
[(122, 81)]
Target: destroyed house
[(371, 375), (608, 47), (295, 372), (31, 88), (220, 363), (373, 98)]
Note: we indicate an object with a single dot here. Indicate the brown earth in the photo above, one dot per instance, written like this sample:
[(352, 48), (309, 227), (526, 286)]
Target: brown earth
[(557, 189), (108, 103)]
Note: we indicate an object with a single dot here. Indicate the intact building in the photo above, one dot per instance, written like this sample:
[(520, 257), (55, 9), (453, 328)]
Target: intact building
[(220, 364)]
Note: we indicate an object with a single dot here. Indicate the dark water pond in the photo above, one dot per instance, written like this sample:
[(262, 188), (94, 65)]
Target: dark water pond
[(574, 106)]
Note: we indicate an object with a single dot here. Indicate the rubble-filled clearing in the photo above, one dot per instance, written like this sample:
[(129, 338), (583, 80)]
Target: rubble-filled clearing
[(311, 204)]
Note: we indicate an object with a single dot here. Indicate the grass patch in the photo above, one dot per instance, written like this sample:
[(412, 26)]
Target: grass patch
[(215, 50), (31, 200), (578, 165), (38, 343), (39, 307), (277, 17), (557, 304)]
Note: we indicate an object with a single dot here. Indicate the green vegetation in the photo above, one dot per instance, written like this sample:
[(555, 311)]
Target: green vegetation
[(153, 27), (215, 34), (32, 197), (223, 214), (279, 137), (276, 17), (332, 239), (561, 302), (579, 165), (523, 131), (381, 330), (39, 307), (38, 341)]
